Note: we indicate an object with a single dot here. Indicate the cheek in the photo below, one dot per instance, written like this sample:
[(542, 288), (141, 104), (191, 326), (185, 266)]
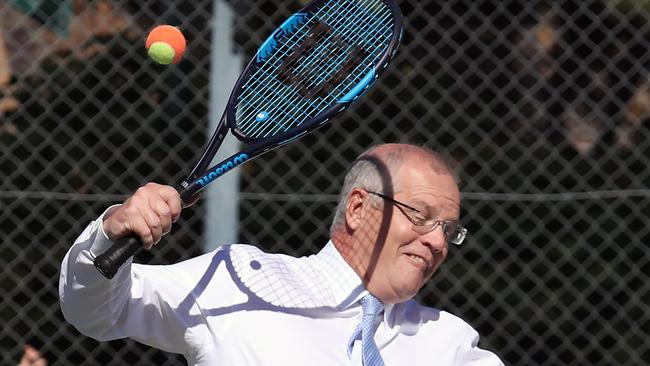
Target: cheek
[(389, 233), (380, 226), (371, 231), (372, 239), (438, 259), (401, 235)]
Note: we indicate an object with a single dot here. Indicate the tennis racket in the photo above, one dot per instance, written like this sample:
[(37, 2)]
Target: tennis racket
[(310, 69)]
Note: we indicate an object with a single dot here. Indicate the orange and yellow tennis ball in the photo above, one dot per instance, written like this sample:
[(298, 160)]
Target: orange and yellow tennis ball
[(165, 44)]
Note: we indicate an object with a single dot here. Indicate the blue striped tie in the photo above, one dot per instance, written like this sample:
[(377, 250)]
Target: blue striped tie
[(371, 307)]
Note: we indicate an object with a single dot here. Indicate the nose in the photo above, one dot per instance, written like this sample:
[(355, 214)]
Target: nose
[(435, 239)]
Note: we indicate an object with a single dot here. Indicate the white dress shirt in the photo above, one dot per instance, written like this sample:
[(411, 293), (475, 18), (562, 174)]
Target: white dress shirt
[(240, 306)]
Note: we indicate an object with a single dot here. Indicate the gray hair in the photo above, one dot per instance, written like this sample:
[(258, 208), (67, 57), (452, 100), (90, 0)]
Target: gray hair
[(372, 172)]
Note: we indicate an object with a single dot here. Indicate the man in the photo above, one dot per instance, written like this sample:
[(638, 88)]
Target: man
[(350, 304)]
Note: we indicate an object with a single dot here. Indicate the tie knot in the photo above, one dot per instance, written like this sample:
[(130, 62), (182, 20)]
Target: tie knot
[(371, 306)]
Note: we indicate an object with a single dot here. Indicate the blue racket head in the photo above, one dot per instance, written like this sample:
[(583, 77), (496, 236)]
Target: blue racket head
[(312, 67)]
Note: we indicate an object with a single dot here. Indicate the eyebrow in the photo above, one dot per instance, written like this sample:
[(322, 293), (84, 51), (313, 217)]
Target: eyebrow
[(425, 208), (434, 211)]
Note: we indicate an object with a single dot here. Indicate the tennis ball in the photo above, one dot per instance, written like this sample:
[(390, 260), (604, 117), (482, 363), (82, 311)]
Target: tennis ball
[(162, 53), (165, 44)]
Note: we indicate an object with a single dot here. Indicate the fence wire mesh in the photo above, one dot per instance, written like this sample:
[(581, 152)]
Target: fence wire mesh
[(545, 105)]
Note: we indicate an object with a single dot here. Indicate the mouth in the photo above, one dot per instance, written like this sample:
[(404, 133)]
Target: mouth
[(419, 261)]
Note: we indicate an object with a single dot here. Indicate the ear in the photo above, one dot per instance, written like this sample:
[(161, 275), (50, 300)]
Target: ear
[(354, 211)]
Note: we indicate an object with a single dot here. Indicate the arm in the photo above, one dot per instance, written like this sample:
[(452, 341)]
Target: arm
[(468, 352), (140, 301)]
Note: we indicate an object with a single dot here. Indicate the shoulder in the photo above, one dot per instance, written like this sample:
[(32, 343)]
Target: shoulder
[(421, 318), (446, 330), (271, 279), (274, 278), (220, 257), (217, 271)]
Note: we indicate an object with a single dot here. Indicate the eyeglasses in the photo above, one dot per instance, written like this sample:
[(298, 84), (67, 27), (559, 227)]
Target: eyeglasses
[(454, 233)]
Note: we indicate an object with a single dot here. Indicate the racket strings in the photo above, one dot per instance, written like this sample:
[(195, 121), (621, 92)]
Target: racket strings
[(302, 107), (322, 60), (311, 82)]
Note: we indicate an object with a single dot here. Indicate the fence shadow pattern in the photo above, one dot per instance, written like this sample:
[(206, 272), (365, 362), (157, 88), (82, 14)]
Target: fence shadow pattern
[(545, 105)]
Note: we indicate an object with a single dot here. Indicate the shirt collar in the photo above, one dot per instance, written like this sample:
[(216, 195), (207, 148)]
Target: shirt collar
[(323, 280), (344, 283)]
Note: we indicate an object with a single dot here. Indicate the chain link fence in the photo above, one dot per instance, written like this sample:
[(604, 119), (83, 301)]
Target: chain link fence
[(545, 105)]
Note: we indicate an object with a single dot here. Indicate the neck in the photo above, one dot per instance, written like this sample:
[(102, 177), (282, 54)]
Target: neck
[(351, 251)]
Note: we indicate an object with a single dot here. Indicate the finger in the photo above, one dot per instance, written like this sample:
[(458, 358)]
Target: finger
[(173, 200), (128, 218), (153, 222), (164, 215), (158, 215), (123, 220), (139, 226), (164, 200)]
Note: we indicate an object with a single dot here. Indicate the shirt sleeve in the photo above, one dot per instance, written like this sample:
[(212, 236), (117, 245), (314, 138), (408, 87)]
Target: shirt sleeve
[(468, 352), (147, 303)]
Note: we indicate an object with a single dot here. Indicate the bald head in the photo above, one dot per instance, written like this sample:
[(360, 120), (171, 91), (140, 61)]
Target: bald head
[(377, 169), (395, 156)]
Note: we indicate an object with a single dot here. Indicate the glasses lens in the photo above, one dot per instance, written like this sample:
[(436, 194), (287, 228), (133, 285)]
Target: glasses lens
[(455, 233)]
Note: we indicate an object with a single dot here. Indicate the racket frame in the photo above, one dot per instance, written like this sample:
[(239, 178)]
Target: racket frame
[(109, 262)]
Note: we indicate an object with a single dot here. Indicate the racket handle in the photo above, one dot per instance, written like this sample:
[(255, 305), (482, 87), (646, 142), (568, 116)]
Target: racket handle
[(112, 259)]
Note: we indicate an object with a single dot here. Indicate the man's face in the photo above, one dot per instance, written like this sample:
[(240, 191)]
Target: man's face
[(399, 260)]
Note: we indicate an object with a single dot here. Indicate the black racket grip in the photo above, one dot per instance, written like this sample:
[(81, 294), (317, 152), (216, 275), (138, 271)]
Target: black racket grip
[(111, 260)]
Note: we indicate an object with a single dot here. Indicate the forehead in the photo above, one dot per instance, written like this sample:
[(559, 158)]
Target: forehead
[(419, 181)]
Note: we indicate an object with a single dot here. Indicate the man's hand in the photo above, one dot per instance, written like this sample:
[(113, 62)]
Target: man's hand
[(149, 214)]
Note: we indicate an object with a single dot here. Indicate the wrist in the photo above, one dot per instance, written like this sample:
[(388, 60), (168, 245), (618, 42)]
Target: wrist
[(105, 219)]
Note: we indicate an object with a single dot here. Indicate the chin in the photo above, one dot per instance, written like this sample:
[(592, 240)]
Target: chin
[(407, 293)]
